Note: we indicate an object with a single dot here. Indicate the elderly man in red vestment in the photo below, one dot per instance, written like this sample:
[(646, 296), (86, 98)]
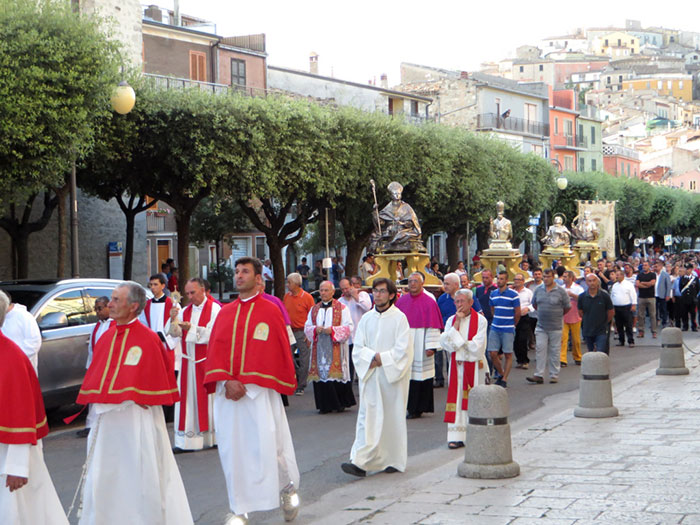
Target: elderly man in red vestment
[(425, 320), (131, 474), (248, 365), (27, 494)]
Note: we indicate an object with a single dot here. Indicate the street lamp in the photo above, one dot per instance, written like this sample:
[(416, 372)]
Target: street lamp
[(562, 182), (123, 99)]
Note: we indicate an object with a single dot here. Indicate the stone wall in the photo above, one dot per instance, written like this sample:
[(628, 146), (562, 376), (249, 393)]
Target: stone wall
[(100, 223), (126, 15)]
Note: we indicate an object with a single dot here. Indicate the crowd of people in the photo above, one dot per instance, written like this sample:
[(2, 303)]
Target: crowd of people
[(228, 370)]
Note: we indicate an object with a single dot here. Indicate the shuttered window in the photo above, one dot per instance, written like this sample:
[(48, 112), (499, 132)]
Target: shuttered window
[(198, 66)]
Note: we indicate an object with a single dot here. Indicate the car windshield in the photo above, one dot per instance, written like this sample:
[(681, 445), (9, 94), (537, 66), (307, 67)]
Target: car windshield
[(26, 297)]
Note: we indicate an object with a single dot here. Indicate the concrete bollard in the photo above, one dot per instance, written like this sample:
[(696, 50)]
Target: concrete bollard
[(672, 358), (488, 453), (595, 388)]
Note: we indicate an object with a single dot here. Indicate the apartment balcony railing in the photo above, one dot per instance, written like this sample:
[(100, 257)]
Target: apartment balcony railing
[(610, 150), (182, 83), (154, 223), (486, 121), (412, 118), (576, 142)]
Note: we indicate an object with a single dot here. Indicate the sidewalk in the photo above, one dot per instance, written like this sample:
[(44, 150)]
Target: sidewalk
[(642, 467)]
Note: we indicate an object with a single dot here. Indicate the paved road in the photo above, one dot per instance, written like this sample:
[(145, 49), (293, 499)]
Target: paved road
[(323, 442)]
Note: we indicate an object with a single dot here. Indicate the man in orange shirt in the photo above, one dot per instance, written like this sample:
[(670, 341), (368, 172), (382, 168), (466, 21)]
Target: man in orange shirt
[(298, 304)]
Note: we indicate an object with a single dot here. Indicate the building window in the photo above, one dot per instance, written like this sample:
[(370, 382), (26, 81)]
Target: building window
[(680, 84), (648, 85), (592, 135), (198, 66), (609, 80), (556, 125), (541, 67), (414, 108), (238, 72), (593, 165), (260, 247), (632, 41), (522, 69), (659, 84), (581, 164), (619, 78), (692, 185), (569, 163), (569, 128), (669, 83), (619, 42), (606, 43)]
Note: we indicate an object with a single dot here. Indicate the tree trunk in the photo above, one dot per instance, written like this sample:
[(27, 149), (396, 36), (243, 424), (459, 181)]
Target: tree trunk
[(182, 221), (275, 247), (22, 243), (129, 248), (355, 246), (452, 242), (62, 197)]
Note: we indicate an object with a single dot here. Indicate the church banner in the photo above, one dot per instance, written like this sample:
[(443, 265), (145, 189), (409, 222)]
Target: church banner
[(603, 213)]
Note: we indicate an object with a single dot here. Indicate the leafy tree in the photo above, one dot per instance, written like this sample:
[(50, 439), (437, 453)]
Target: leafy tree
[(57, 69)]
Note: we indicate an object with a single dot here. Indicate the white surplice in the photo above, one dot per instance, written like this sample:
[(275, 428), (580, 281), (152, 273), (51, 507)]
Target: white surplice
[(192, 438), (424, 339), (255, 448), (357, 308), (340, 334), (381, 434), (159, 324), (132, 476), (455, 342), (36, 502)]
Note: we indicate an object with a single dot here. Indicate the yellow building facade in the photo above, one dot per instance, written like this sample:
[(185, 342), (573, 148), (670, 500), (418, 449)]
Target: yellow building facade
[(616, 44), (677, 86)]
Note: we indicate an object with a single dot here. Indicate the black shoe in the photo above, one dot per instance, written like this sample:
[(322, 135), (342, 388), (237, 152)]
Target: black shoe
[(502, 383), (83, 433), (413, 416), (354, 470), (391, 470), (537, 380), (620, 344), (178, 450)]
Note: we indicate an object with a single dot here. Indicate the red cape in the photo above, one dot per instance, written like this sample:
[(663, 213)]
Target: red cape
[(249, 343), (22, 415), (130, 364)]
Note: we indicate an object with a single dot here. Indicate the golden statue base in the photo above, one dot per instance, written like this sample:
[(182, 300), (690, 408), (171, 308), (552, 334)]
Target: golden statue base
[(588, 251), (415, 262), (508, 257), (564, 254)]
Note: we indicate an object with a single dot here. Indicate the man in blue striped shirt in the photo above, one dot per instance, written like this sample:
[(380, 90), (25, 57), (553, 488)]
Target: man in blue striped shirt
[(505, 306)]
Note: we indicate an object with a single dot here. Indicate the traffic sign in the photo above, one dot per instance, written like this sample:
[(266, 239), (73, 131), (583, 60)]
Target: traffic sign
[(668, 240), (535, 221)]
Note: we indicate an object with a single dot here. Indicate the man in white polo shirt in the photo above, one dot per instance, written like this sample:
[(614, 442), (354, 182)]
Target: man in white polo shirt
[(624, 299)]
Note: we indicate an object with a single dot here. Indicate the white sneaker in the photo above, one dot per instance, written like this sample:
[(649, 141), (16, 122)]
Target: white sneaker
[(290, 502), (237, 519)]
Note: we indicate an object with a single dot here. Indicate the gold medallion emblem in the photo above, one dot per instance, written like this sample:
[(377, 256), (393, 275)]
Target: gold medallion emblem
[(133, 356), (262, 331)]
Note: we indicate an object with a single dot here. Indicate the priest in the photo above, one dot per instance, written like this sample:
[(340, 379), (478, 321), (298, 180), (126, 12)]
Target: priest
[(156, 316), (194, 423), (383, 354), (131, 475), (248, 365), (425, 320), (27, 494), (329, 328), (464, 339)]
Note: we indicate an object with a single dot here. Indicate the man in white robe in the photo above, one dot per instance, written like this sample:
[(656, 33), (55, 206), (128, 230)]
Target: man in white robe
[(131, 475), (465, 348), (21, 328), (383, 354), (27, 494), (425, 320), (194, 414), (328, 328), (248, 366), (156, 315)]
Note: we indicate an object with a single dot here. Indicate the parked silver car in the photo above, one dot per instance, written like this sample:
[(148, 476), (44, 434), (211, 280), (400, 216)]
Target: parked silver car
[(65, 312)]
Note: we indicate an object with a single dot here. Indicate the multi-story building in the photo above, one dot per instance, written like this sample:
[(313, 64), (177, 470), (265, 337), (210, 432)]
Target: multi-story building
[(619, 160), (556, 73), (616, 44), (589, 128), (514, 112), (575, 43), (679, 86), (565, 143)]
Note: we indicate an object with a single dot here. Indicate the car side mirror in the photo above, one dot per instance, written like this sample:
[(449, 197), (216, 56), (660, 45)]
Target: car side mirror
[(53, 320)]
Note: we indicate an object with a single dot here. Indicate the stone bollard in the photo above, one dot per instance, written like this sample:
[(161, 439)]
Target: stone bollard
[(595, 388), (488, 452), (672, 358)]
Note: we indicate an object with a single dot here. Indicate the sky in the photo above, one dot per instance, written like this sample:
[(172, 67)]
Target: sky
[(361, 39)]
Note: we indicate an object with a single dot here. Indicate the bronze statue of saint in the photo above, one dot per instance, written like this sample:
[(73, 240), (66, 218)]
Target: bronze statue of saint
[(500, 230), (558, 235), (585, 229), (397, 226)]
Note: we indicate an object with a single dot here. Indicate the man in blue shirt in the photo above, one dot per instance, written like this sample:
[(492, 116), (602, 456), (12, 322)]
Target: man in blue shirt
[(447, 307), (482, 295), (505, 308)]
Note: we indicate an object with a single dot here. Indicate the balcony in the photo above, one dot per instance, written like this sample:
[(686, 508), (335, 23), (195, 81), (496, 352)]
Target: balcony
[(489, 121), (166, 82), (576, 142), (613, 150), (154, 223)]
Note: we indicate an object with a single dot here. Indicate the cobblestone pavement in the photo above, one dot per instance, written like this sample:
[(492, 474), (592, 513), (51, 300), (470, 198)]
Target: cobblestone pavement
[(642, 467)]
